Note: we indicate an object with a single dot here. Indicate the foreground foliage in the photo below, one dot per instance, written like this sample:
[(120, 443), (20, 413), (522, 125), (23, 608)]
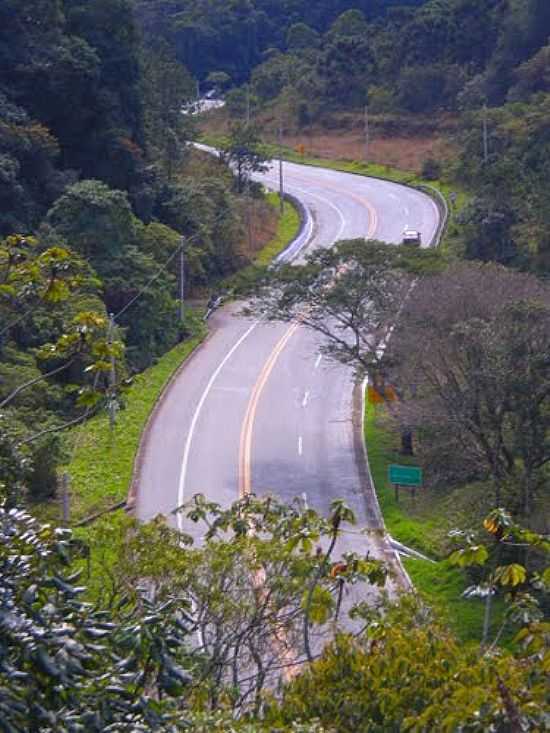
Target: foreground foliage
[(408, 674), (66, 665), (178, 636)]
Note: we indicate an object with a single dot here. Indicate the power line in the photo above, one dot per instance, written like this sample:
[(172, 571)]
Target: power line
[(161, 270)]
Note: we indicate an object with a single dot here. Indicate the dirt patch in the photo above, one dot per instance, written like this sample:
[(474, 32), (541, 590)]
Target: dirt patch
[(342, 138), (405, 153), (263, 227), (263, 217)]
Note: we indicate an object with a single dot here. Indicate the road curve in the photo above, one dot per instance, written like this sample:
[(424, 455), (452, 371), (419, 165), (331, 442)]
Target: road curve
[(257, 408)]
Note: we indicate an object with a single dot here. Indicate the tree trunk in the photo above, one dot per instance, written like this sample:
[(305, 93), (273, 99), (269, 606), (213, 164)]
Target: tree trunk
[(407, 448)]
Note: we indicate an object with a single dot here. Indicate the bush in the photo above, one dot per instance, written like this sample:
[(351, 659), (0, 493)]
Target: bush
[(431, 169)]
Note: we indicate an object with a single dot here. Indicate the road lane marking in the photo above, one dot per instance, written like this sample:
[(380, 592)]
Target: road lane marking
[(306, 398), (325, 201), (280, 640), (373, 215), (318, 362), (186, 452), (300, 446), (244, 464), (245, 446)]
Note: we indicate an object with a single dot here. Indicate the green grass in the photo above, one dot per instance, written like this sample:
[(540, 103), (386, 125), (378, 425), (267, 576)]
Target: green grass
[(442, 586), (418, 531), (101, 469), (287, 230), (422, 525)]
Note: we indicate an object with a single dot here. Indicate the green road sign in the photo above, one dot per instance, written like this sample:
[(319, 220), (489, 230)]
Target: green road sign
[(405, 475)]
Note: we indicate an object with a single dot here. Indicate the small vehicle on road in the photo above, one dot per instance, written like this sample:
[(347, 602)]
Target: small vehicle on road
[(412, 237)]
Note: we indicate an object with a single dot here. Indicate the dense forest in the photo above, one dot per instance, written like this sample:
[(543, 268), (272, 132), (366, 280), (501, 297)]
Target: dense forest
[(127, 626), (212, 35), (411, 63), (93, 162)]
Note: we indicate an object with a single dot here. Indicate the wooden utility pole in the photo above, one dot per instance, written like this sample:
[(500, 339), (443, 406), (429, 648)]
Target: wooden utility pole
[(112, 376), (182, 279), (249, 217), (367, 134), (281, 180), (485, 135), (248, 199)]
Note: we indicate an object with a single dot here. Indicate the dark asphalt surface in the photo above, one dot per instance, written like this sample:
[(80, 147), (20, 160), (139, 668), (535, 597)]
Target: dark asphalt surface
[(302, 436)]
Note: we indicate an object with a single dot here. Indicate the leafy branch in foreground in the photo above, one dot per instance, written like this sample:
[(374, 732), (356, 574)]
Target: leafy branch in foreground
[(260, 580), (524, 582), (200, 638), (407, 673), (66, 665)]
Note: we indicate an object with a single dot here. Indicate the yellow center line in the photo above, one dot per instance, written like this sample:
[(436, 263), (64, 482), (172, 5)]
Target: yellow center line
[(245, 446), (373, 223), (280, 641)]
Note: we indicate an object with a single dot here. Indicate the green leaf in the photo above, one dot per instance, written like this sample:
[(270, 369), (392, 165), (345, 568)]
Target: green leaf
[(513, 574), (468, 556), (321, 606)]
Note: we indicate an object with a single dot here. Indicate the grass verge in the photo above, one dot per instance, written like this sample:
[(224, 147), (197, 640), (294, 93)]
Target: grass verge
[(423, 526), (287, 230), (101, 470)]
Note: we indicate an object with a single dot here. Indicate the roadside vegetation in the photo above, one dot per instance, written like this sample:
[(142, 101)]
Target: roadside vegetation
[(103, 461), (127, 626), (288, 227), (424, 523)]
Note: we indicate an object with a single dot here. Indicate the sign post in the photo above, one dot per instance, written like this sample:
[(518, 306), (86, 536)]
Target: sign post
[(406, 476)]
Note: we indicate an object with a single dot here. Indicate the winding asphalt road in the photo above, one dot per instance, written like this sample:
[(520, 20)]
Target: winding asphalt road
[(257, 408)]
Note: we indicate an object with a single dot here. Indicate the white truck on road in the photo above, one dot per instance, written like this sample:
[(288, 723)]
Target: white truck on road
[(412, 237)]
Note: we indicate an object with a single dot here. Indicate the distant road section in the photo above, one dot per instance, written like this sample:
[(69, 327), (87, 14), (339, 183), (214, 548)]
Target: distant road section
[(257, 408)]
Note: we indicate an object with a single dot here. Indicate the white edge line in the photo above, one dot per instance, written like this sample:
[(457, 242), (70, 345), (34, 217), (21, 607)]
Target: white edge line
[(196, 415), (387, 536)]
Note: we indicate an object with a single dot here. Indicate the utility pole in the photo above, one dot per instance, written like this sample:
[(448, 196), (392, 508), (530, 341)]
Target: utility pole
[(485, 135), (112, 375), (198, 97), (248, 199), (367, 134), (281, 180), (249, 216), (65, 497), (182, 279)]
